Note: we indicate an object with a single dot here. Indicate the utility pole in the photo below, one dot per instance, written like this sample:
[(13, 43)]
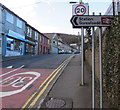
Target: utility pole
[(119, 7), (113, 5)]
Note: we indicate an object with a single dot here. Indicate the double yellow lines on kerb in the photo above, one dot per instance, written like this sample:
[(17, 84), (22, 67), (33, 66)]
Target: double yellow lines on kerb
[(44, 86)]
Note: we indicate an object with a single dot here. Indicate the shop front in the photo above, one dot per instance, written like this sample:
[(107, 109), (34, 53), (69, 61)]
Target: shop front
[(30, 47), (14, 47), (14, 44)]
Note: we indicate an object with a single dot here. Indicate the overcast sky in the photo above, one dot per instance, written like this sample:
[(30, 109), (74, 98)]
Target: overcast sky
[(52, 15)]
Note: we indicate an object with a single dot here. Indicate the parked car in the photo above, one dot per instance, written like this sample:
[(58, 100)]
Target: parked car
[(61, 52), (76, 52), (68, 52)]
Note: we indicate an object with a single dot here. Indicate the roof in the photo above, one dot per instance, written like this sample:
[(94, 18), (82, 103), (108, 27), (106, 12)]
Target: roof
[(4, 7), (49, 35)]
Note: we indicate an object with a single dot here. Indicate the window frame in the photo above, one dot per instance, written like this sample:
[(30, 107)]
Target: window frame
[(19, 23), (9, 17)]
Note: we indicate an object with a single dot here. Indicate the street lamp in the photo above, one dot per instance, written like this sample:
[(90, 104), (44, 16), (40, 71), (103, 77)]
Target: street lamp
[(80, 1), (72, 2)]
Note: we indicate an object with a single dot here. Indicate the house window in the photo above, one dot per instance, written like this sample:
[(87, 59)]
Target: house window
[(36, 36), (48, 41), (29, 32), (9, 17), (41, 39), (53, 41), (40, 48), (19, 23)]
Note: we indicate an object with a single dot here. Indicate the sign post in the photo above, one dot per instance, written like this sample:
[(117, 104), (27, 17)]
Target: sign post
[(101, 75), (80, 9), (82, 19), (79, 21), (82, 42), (93, 68)]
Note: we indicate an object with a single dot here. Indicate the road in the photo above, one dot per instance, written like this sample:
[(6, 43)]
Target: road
[(23, 79)]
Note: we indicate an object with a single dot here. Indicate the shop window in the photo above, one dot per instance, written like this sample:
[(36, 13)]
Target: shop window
[(9, 17), (14, 47), (29, 48), (19, 23)]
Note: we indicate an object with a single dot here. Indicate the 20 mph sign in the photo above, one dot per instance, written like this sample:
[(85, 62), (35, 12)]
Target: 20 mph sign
[(80, 9)]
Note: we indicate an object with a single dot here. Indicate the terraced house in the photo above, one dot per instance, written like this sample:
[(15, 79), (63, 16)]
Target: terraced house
[(13, 33), (17, 37)]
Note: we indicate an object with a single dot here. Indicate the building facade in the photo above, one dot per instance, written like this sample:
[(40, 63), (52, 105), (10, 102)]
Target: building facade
[(17, 37), (43, 44), (31, 44), (12, 33), (63, 47), (53, 42)]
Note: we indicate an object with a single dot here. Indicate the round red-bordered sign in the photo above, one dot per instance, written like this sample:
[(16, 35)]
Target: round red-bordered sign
[(79, 9)]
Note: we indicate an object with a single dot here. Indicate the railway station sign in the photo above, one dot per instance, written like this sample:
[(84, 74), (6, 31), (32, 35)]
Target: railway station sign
[(80, 9), (91, 21)]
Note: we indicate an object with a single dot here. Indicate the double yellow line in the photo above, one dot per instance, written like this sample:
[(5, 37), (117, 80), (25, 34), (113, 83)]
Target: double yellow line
[(49, 79)]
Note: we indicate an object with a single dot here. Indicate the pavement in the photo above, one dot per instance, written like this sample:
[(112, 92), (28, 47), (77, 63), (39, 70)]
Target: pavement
[(3, 59), (67, 92)]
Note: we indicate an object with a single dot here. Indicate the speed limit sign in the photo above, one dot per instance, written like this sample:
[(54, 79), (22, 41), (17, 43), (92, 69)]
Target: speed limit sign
[(80, 9)]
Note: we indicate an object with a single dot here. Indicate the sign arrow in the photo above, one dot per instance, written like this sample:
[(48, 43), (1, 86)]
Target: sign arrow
[(74, 21), (91, 21)]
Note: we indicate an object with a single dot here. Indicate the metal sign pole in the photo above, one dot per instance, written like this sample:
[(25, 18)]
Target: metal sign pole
[(101, 77), (93, 68), (82, 42)]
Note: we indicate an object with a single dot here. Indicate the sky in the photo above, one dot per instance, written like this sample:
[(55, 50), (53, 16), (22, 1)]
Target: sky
[(50, 16)]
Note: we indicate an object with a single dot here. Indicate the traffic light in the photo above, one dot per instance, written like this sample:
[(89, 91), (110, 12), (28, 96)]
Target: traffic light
[(88, 31)]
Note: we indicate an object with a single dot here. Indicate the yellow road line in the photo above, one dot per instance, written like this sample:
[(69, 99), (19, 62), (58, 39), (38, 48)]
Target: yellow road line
[(28, 101), (45, 82), (42, 91), (50, 76), (39, 88)]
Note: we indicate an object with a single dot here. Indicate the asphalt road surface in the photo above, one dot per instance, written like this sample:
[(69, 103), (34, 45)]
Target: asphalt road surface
[(37, 62), (23, 78)]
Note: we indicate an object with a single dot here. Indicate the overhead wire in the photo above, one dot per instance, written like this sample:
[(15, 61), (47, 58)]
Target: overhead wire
[(22, 6)]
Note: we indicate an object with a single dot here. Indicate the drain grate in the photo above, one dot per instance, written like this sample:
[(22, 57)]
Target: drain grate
[(55, 103)]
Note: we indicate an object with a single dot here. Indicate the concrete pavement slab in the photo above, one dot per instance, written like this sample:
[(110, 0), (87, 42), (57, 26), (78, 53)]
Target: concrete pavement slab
[(68, 86)]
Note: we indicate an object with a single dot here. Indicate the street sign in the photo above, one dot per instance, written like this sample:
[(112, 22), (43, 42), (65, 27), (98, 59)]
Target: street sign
[(91, 21), (80, 9)]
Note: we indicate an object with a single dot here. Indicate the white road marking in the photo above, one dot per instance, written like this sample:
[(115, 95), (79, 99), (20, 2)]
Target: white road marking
[(12, 71), (9, 67), (9, 93)]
